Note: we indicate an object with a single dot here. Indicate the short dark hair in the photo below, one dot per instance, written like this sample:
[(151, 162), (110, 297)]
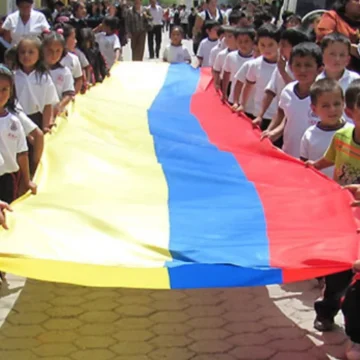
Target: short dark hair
[(335, 38), (249, 31), (111, 21), (270, 31), (352, 94), (229, 29), (220, 31), (261, 18), (18, 2), (235, 17), (307, 49), (294, 36), (209, 24), (322, 86)]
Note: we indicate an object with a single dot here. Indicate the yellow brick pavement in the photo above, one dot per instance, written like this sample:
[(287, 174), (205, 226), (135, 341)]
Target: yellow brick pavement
[(62, 322)]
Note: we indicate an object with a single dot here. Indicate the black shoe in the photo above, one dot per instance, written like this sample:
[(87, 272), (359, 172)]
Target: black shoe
[(324, 325)]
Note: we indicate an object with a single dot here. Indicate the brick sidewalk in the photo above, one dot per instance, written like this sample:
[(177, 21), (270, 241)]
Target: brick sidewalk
[(61, 322)]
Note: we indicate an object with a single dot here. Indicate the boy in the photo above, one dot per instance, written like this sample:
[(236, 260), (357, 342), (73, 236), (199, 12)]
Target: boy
[(294, 105), (336, 56), (230, 42), (260, 71), (282, 74), (245, 38), (207, 44), (343, 153), (216, 49), (109, 43), (327, 102)]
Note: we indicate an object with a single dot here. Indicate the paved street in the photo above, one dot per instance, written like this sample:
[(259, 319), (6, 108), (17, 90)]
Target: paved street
[(61, 322)]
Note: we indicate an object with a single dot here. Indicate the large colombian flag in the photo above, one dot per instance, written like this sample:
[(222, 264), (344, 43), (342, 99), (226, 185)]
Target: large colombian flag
[(153, 183)]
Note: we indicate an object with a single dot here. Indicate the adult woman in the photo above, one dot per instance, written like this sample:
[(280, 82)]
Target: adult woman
[(137, 21), (212, 12), (344, 19), (24, 21)]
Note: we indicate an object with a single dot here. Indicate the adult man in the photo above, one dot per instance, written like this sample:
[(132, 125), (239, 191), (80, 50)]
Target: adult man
[(157, 14)]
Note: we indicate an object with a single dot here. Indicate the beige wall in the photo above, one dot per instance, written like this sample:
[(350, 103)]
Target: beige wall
[(4, 6)]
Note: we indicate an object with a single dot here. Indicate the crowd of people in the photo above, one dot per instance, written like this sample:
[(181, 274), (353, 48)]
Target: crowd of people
[(298, 81)]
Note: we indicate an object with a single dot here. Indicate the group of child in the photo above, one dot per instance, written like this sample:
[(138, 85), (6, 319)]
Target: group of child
[(306, 101)]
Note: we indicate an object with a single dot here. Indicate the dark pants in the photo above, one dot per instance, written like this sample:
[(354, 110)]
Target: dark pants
[(38, 120), (264, 125), (138, 45), (154, 33), (9, 184), (335, 287), (351, 310), (185, 28)]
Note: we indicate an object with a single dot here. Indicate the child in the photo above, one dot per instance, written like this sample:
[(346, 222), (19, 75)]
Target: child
[(216, 49), (294, 105), (108, 41), (70, 60), (4, 206), (260, 71), (10, 58), (54, 51), (245, 38), (14, 156), (176, 52), (336, 57), (35, 89), (327, 102), (343, 153), (203, 54), (230, 42), (282, 74)]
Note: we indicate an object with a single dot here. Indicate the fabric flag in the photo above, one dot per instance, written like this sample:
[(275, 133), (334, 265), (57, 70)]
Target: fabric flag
[(152, 182)]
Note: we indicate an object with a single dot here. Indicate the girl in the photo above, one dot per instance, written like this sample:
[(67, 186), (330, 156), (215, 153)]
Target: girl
[(176, 52), (54, 51), (70, 60), (14, 163), (35, 89)]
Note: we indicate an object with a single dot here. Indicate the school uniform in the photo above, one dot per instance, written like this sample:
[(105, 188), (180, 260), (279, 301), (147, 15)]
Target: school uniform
[(63, 81), (220, 61), (72, 62), (277, 83), (299, 117), (259, 74), (176, 54), (82, 58), (12, 143), (34, 92), (214, 53), (233, 62), (108, 44), (204, 50)]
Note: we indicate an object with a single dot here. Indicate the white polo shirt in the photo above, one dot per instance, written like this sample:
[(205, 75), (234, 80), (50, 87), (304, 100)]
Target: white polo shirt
[(233, 62), (82, 58), (35, 26), (241, 76), (314, 144), (157, 14), (220, 61), (72, 62), (260, 72), (35, 92), (204, 50), (176, 54), (347, 78), (28, 125), (299, 117), (63, 81), (12, 143), (277, 83), (214, 53), (108, 44)]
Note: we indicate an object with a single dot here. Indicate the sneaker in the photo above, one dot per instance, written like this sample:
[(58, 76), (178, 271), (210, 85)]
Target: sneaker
[(353, 351), (324, 325)]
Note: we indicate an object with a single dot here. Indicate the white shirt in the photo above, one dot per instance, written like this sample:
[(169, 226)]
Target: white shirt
[(214, 53), (63, 81), (314, 144), (35, 26), (82, 58), (217, 17), (299, 117), (28, 125), (184, 15), (176, 54), (35, 92), (220, 61), (204, 51), (12, 142), (241, 76), (157, 14), (347, 78), (108, 44), (277, 83), (233, 62), (260, 72), (72, 62)]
